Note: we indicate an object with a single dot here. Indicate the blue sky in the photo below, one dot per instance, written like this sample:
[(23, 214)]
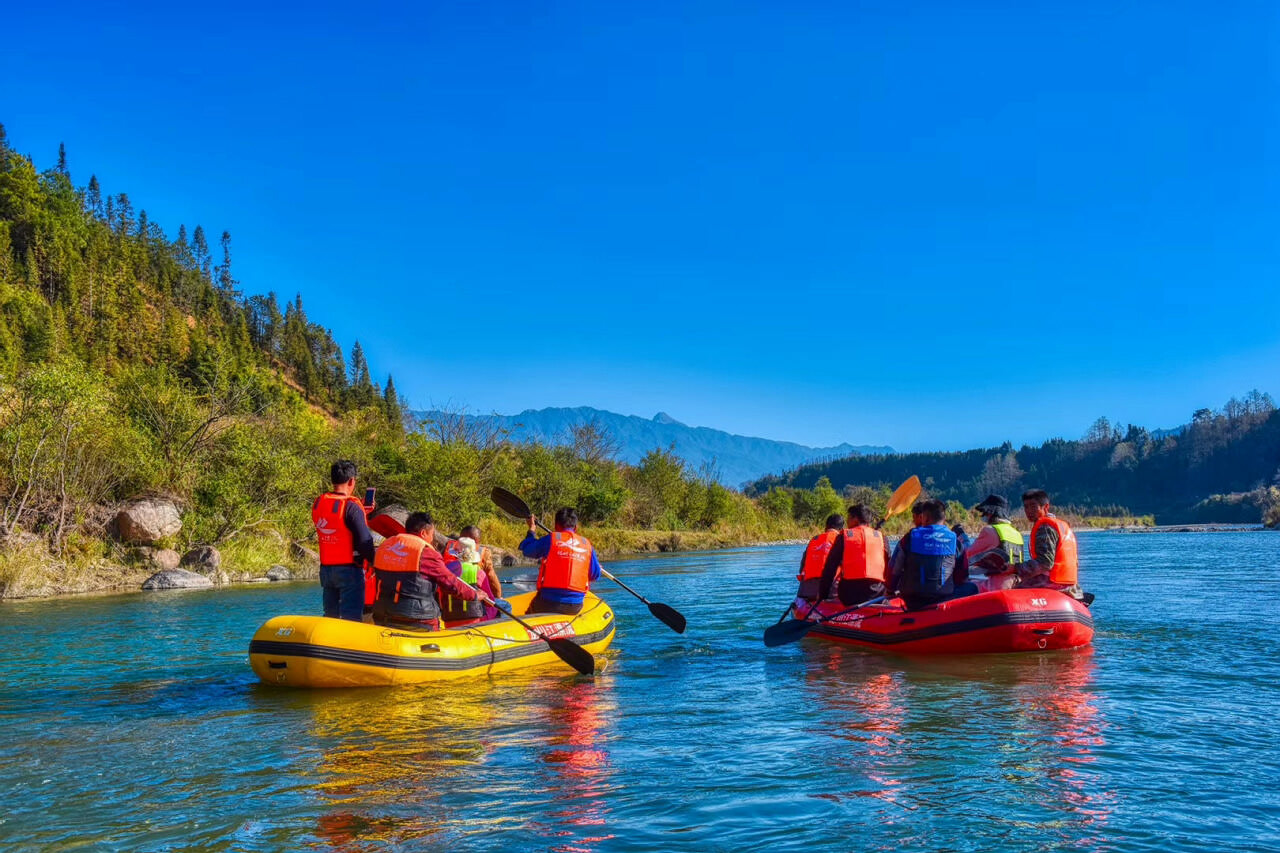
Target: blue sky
[(930, 225)]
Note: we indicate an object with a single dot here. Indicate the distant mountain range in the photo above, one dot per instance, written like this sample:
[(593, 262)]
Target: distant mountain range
[(735, 459)]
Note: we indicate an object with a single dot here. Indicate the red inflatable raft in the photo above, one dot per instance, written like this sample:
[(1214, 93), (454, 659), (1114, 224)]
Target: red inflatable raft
[(1014, 620)]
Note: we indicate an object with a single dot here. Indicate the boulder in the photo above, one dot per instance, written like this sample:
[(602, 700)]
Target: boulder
[(204, 559), (279, 573), (177, 579), (145, 521), (164, 559)]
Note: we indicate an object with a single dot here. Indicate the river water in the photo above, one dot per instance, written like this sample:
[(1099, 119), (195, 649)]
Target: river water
[(133, 722)]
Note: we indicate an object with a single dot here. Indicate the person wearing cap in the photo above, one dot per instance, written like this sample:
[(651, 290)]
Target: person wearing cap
[(997, 547), (457, 611), (486, 560), (814, 558)]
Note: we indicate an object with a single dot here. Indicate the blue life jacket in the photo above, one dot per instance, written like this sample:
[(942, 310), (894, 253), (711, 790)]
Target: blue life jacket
[(930, 559)]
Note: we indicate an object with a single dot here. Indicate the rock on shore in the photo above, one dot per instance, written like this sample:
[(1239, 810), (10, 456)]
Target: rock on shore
[(177, 579), (148, 520)]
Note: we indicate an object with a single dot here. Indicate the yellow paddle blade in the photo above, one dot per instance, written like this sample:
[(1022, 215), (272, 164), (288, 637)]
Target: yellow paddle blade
[(904, 496)]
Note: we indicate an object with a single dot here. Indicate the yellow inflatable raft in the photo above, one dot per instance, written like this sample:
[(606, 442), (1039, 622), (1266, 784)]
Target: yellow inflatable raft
[(313, 651)]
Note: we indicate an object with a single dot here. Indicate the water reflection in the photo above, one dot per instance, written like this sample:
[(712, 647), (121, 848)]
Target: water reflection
[(577, 759), (1009, 740), (448, 765)]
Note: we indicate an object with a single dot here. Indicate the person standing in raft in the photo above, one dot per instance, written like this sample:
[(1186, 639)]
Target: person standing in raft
[(1054, 560), (409, 571), (345, 543), (466, 565), (569, 564), (925, 559), (858, 557), (998, 546), (814, 558)]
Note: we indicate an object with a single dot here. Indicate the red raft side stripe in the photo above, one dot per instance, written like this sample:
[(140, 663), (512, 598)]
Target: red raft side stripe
[(1019, 610)]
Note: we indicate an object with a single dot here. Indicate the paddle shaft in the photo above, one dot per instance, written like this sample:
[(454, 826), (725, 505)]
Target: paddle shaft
[(664, 613)]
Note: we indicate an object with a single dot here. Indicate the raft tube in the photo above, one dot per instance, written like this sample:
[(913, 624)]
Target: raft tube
[(1012, 620), (315, 651)]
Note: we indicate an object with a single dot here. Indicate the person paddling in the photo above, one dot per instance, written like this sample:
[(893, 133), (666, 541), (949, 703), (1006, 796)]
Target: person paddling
[(409, 571), (925, 558), (858, 558), (814, 558), (569, 564)]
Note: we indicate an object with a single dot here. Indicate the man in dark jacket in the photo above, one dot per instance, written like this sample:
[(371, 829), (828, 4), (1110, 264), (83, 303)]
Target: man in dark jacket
[(409, 571), (344, 543), (925, 558)]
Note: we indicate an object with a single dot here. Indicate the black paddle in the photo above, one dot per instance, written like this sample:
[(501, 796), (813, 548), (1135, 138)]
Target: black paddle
[(567, 650), (514, 505)]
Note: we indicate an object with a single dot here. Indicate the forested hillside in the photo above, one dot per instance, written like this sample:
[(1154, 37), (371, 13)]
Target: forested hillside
[(133, 362), (1222, 466)]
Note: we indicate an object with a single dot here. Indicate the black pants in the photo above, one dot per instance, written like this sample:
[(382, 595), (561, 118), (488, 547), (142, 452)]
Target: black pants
[(542, 605), (856, 592)]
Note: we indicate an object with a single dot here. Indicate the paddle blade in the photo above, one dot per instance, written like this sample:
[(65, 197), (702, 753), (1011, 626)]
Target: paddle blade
[(669, 616), (573, 654), (787, 632), (509, 503), (904, 496)]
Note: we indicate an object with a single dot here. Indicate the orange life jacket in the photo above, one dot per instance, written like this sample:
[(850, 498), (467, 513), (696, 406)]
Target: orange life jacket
[(403, 592), (337, 545), (815, 554), (568, 565), (863, 554), (1066, 563)]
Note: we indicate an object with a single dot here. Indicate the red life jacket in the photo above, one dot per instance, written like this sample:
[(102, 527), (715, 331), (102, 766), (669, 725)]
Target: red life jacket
[(863, 554), (403, 592), (337, 546), (568, 566), (1066, 563), (815, 555)]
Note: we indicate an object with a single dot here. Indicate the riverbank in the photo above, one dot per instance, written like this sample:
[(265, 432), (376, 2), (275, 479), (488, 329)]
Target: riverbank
[(1190, 528), (29, 571)]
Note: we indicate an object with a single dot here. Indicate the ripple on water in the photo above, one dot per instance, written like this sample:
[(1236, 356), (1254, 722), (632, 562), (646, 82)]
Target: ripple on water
[(135, 724)]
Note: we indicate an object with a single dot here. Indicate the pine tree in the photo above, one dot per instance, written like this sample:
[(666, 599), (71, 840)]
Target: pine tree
[(124, 214), (226, 284), (201, 248), (93, 197), (361, 381), (62, 159), (391, 404), (182, 246), (4, 146)]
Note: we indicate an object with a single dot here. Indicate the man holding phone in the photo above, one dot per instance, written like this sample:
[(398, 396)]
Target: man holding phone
[(345, 543)]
